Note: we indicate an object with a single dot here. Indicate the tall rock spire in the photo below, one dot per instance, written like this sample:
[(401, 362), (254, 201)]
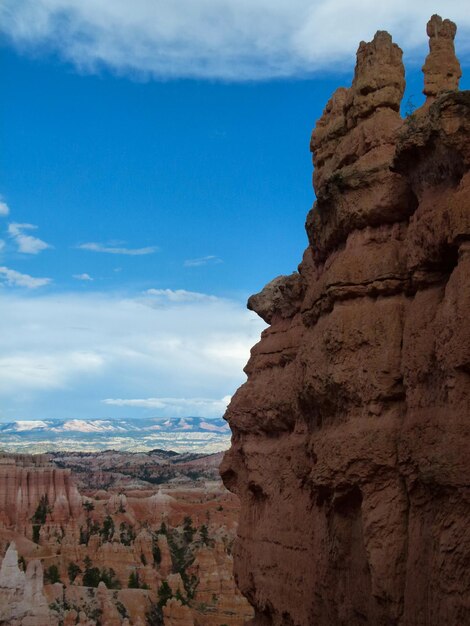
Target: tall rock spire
[(442, 68)]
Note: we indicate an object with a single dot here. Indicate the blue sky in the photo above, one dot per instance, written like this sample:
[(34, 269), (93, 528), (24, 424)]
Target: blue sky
[(155, 171)]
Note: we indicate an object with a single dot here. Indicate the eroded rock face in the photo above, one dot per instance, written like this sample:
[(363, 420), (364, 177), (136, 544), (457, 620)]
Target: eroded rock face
[(24, 479), (22, 599), (351, 435)]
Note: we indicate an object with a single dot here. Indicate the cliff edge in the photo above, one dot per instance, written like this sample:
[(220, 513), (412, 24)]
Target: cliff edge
[(351, 435)]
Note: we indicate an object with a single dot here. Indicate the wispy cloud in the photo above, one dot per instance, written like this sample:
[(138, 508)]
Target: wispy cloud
[(179, 296), (226, 39), (26, 243), (17, 279), (204, 260), (39, 371), (89, 346), (83, 276), (2, 244), (4, 209), (198, 407), (109, 249)]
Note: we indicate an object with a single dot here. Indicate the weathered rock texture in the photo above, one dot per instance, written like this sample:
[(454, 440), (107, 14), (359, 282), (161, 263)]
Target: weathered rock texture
[(442, 69), (350, 448), (24, 479), (22, 599), (125, 540)]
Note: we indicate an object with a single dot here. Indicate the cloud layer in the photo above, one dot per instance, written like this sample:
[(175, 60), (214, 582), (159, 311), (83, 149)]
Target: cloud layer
[(84, 277), (179, 296), (96, 355), (27, 244), (17, 279), (210, 259), (198, 407), (230, 39), (110, 249)]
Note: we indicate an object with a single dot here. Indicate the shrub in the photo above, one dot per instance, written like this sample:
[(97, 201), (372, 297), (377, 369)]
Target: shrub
[(36, 531), (107, 531), (133, 582), (43, 509), (92, 577), (108, 576), (73, 571), (51, 575), (204, 534), (188, 529), (127, 534), (40, 516), (164, 594), (156, 552), (154, 616)]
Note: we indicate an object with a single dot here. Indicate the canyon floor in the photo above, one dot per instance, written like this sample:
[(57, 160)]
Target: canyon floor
[(116, 538)]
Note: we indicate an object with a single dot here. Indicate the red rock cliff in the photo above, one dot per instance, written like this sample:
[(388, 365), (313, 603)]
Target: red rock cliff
[(350, 448), (24, 479)]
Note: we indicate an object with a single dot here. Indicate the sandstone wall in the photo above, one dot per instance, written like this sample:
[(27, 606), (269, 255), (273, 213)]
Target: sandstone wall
[(24, 479), (350, 448)]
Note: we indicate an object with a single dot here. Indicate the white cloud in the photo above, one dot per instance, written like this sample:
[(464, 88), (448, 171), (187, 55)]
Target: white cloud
[(179, 296), (230, 39), (4, 209), (204, 260), (83, 276), (2, 244), (198, 407), (42, 371), (17, 279), (26, 243), (61, 354), (99, 247)]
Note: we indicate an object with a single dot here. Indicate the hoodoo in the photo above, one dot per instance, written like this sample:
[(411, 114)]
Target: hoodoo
[(351, 435)]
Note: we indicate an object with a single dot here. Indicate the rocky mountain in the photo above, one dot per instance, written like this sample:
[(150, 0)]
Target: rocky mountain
[(143, 547), (139, 434), (351, 436)]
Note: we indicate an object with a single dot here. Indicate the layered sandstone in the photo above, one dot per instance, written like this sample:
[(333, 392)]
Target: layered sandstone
[(25, 479), (351, 439), (135, 541)]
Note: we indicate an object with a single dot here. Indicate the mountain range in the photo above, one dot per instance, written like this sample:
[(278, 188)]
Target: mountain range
[(181, 434)]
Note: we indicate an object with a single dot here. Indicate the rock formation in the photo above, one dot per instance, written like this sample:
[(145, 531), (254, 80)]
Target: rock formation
[(24, 479), (350, 438), (22, 599), (442, 69), (177, 614), (106, 555)]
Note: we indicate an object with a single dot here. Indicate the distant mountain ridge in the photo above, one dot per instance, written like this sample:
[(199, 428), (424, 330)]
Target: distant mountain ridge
[(181, 434)]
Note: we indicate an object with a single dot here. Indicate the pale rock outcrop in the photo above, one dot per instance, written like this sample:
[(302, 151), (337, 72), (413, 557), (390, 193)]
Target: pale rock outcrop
[(351, 436), (176, 584), (11, 577), (83, 620), (177, 614), (22, 599), (216, 588), (165, 566), (109, 613)]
